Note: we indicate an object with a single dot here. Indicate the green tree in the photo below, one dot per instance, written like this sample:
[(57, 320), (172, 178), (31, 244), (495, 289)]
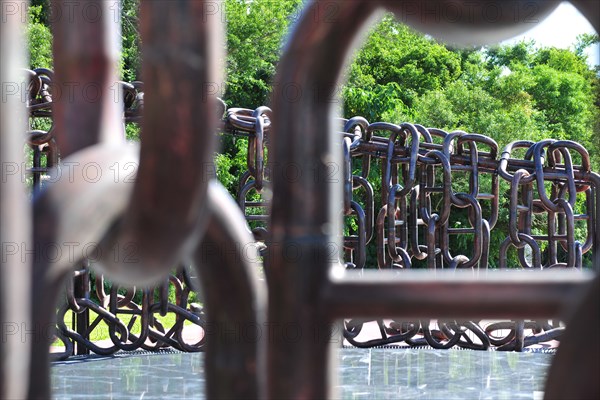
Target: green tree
[(255, 37), (399, 64), (508, 92), (255, 32), (130, 43), (39, 38)]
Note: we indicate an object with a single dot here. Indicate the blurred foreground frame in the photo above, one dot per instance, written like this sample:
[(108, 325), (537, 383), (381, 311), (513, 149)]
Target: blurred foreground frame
[(184, 209)]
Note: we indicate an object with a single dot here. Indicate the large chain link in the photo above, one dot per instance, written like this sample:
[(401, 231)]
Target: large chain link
[(423, 185), (427, 176)]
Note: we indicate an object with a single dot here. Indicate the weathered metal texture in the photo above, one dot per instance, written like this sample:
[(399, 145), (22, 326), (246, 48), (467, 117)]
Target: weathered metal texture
[(591, 10), (62, 215), (409, 157), (39, 105), (473, 23), (166, 208), (144, 313), (15, 228), (420, 191), (86, 55), (227, 262), (305, 220), (165, 218), (574, 372), (302, 294), (77, 209), (452, 294), (421, 156)]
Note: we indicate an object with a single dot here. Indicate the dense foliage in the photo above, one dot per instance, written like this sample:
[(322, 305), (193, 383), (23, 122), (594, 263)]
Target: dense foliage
[(518, 91), (40, 38), (505, 91)]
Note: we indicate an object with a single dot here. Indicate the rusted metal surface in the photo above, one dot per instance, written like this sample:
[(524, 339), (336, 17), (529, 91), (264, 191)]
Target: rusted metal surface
[(15, 219), (577, 361), (168, 201), (409, 155), (235, 303), (420, 168), (62, 212), (109, 300), (420, 159), (313, 60), (165, 211), (165, 218), (85, 61), (115, 302)]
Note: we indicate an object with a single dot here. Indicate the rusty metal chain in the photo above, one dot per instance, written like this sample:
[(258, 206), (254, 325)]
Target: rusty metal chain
[(253, 185), (81, 335), (421, 189), (143, 330), (407, 204), (418, 169), (422, 185)]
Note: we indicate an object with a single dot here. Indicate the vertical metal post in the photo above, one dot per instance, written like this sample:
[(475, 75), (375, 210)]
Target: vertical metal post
[(86, 55), (304, 242), (81, 289), (226, 261), (15, 221), (85, 112)]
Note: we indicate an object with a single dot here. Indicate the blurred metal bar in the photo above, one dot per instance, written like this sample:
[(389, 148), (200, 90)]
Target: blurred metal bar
[(577, 361), (181, 51), (15, 229), (455, 295), (591, 10), (302, 218), (167, 209), (303, 214), (87, 100), (85, 57), (70, 216), (227, 263)]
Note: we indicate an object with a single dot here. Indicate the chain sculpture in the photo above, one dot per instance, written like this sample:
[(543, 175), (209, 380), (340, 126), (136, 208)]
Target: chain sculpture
[(111, 301), (136, 201), (172, 214), (418, 199)]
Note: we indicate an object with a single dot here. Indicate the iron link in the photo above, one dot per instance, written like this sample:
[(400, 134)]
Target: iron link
[(421, 186)]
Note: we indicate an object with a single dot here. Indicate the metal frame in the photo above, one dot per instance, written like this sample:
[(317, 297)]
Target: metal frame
[(165, 213)]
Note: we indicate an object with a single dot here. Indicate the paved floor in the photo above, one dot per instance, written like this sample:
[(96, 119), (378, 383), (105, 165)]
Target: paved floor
[(383, 373)]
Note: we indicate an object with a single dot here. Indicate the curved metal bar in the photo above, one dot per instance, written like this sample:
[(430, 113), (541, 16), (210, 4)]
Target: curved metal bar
[(469, 28), (166, 217), (313, 60), (234, 334), (591, 10), (575, 370), (15, 229), (71, 216), (87, 102)]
